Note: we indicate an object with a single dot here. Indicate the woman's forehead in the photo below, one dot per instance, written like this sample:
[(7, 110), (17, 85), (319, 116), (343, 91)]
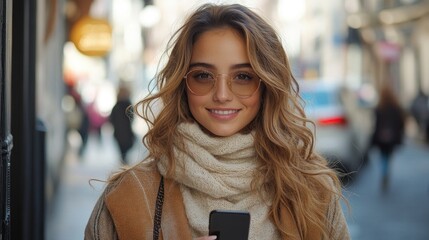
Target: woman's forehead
[(220, 48)]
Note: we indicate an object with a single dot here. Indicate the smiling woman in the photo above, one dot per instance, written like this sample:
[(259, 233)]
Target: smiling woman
[(231, 135), (229, 105)]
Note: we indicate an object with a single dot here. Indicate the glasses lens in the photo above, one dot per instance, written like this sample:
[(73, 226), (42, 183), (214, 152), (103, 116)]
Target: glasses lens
[(200, 82), (243, 84)]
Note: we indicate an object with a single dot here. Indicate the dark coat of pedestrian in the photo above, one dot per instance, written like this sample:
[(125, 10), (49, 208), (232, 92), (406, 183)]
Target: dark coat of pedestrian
[(121, 120), (420, 112), (389, 129)]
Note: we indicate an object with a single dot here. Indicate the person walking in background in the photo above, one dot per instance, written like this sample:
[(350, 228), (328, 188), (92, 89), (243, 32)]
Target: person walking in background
[(83, 128), (78, 118), (96, 119), (121, 121), (389, 129), (420, 112)]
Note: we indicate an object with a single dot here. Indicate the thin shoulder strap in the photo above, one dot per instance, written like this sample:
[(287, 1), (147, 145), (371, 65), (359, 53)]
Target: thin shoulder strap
[(158, 210)]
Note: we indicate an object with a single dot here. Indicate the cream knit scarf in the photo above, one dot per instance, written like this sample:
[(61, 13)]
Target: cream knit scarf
[(216, 173)]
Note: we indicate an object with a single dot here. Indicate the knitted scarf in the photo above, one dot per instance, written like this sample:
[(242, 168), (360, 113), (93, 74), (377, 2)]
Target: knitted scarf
[(216, 173)]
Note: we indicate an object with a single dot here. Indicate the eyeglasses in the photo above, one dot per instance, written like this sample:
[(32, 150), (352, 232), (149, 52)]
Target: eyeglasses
[(242, 83)]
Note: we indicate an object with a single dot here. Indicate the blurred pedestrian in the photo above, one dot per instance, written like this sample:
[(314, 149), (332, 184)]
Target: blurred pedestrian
[(389, 129), (83, 128), (121, 121), (78, 118), (420, 113), (96, 119)]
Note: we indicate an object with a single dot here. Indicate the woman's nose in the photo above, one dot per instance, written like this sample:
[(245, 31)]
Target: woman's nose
[(222, 91)]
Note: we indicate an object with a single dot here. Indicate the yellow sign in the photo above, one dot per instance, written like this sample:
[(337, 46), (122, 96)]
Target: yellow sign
[(92, 36)]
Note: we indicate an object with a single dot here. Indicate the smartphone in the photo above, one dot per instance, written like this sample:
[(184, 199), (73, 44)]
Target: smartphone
[(229, 224)]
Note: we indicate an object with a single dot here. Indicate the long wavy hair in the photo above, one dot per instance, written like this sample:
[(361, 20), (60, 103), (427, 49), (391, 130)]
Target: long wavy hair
[(298, 177)]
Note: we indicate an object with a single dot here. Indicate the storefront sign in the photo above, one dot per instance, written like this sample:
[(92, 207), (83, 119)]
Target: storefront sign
[(92, 36)]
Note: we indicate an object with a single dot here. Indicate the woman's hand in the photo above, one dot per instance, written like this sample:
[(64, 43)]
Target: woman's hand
[(213, 237)]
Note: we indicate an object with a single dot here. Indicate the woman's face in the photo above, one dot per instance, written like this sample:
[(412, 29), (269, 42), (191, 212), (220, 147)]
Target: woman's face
[(222, 51)]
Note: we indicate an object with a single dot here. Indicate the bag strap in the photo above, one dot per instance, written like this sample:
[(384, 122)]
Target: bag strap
[(158, 210)]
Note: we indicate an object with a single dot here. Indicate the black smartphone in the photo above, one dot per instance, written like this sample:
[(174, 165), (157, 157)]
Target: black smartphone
[(229, 225)]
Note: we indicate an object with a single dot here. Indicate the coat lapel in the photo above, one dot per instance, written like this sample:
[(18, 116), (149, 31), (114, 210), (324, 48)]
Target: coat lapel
[(174, 222), (132, 206)]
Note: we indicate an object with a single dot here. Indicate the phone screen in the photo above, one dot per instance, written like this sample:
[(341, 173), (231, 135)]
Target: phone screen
[(229, 225)]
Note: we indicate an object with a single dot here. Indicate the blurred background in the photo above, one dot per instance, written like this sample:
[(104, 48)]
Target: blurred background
[(67, 64)]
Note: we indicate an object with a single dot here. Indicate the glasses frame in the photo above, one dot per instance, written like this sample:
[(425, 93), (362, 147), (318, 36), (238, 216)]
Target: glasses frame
[(229, 80)]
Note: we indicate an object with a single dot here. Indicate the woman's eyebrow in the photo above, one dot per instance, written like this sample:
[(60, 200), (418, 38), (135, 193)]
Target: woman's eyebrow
[(241, 65), (201, 64), (211, 66)]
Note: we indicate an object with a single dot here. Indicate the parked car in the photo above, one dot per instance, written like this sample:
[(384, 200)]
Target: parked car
[(339, 136)]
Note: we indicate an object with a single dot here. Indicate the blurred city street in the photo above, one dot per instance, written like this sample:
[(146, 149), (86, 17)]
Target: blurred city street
[(400, 213), (66, 218)]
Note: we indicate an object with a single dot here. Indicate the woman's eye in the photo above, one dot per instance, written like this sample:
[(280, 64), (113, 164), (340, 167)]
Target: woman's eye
[(244, 76), (203, 75)]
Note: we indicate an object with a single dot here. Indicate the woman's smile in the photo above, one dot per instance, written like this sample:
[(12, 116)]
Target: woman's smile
[(224, 114)]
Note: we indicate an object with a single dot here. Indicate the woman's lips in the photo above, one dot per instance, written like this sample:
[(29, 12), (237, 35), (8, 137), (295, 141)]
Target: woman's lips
[(223, 113)]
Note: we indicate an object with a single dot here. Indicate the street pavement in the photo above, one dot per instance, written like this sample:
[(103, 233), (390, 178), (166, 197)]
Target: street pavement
[(77, 194), (402, 212)]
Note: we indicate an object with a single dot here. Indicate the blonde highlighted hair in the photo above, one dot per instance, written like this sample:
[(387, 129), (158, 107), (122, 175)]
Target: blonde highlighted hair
[(298, 178)]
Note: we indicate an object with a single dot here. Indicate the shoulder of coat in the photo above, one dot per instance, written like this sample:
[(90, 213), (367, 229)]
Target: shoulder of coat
[(139, 175)]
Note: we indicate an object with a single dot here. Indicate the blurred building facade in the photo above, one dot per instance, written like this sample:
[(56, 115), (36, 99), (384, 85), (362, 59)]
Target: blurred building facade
[(393, 37)]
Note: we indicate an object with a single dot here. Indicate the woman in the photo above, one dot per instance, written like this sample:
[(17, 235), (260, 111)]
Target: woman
[(388, 130), (231, 134)]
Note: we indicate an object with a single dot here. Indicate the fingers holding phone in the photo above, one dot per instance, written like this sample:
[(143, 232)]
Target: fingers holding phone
[(207, 238)]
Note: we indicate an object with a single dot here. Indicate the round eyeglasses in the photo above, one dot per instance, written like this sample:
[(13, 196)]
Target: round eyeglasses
[(242, 83)]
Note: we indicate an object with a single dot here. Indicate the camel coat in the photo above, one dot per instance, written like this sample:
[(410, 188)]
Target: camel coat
[(126, 210)]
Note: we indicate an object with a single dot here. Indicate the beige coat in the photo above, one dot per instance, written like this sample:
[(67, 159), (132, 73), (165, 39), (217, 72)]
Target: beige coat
[(127, 207)]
